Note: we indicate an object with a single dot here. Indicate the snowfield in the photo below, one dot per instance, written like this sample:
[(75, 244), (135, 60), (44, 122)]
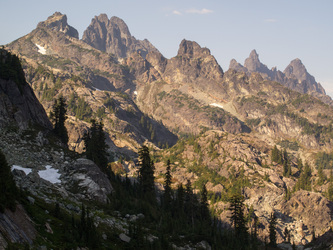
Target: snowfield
[(216, 105), (41, 49), (50, 174), (25, 170)]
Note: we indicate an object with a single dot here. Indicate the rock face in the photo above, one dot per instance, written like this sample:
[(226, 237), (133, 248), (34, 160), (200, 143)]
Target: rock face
[(253, 64), (295, 76), (58, 22), (18, 103), (16, 227), (113, 37), (296, 70)]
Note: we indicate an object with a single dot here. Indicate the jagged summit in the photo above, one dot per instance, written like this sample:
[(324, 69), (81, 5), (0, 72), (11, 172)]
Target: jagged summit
[(253, 64), (295, 76), (58, 22), (113, 36), (192, 49)]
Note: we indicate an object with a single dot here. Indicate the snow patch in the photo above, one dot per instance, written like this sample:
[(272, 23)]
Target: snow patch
[(135, 92), (50, 174), (25, 170), (216, 105), (41, 49), (96, 88)]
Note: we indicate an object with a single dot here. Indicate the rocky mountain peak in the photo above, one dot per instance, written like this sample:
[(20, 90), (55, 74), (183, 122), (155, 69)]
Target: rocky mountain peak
[(123, 28), (297, 69), (237, 66), (253, 64), (192, 49), (103, 18), (114, 37), (58, 22)]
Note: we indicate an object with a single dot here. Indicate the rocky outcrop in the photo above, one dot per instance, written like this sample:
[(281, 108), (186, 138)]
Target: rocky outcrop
[(113, 37), (16, 227), (58, 22), (253, 64), (193, 64), (18, 103), (296, 70)]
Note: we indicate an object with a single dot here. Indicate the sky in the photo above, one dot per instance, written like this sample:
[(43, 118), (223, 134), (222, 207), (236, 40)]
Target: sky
[(279, 30)]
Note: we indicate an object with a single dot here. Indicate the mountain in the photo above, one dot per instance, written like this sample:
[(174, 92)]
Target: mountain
[(113, 37), (58, 22), (216, 127), (295, 76)]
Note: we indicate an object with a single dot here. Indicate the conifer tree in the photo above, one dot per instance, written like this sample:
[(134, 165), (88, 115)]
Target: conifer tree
[(58, 117), (180, 198), (237, 216), (272, 230), (146, 173), (204, 210), (8, 190), (167, 187), (275, 154), (95, 145)]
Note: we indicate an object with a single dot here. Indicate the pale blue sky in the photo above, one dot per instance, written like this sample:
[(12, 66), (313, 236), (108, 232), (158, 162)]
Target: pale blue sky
[(279, 30)]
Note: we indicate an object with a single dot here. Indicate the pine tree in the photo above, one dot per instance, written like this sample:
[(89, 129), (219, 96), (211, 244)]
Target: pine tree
[(58, 117), (95, 145), (330, 187), (8, 190), (180, 198), (189, 203), (275, 154), (272, 230), (167, 187), (237, 216), (146, 173), (204, 210)]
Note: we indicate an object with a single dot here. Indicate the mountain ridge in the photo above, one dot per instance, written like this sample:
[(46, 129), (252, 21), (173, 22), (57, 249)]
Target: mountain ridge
[(220, 124)]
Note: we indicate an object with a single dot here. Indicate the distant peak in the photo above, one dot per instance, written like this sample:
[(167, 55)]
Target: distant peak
[(58, 22), (191, 48), (254, 54), (102, 18)]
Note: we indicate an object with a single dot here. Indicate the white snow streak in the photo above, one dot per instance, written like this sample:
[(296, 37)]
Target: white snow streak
[(41, 49), (135, 92), (216, 105), (50, 174), (25, 170)]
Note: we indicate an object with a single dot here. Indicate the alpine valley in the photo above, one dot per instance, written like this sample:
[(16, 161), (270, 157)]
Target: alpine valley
[(261, 133)]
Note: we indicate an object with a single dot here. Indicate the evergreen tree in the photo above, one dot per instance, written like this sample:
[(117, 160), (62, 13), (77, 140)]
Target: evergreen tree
[(272, 230), (237, 216), (167, 187), (330, 188), (95, 145), (304, 182), (58, 117), (275, 154), (189, 206), (204, 210), (146, 173), (286, 234), (8, 190), (180, 198)]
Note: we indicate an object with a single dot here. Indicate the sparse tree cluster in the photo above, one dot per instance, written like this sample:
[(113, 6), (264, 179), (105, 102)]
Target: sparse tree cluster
[(282, 158)]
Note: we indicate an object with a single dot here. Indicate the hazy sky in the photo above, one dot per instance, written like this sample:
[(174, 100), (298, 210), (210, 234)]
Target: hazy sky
[(279, 30)]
